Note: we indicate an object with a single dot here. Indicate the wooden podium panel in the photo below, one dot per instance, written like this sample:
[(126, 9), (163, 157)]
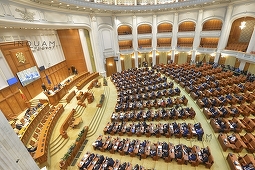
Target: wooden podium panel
[(57, 96)]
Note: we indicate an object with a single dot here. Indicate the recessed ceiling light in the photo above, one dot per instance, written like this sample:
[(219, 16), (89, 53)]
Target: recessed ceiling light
[(77, 7), (67, 5), (60, 3), (84, 8), (5, 27), (52, 1)]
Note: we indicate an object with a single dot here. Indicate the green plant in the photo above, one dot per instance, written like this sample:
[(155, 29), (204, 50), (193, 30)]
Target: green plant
[(78, 138), (65, 157)]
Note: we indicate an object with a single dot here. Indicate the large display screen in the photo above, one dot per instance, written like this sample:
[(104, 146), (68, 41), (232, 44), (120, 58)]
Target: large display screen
[(28, 76)]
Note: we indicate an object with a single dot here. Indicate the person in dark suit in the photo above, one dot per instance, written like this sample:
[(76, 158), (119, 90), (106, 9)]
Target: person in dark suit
[(73, 69), (192, 157), (178, 154), (44, 87)]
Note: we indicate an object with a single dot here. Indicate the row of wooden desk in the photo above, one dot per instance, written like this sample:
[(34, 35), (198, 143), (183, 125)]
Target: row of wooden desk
[(26, 132), (153, 150), (178, 130), (237, 143), (247, 124), (41, 154), (117, 164), (74, 80), (86, 80), (239, 163), (57, 95)]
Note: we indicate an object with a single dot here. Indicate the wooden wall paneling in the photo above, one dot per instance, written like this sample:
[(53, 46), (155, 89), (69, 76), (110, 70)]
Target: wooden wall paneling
[(34, 89), (7, 110), (150, 61), (58, 76), (13, 104), (6, 91), (222, 60), (176, 58), (157, 59), (54, 81), (72, 48), (20, 101), (237, 63), (1, 96), (133, 62), (211, 60), (110, 66), (139, 61), (61, 73), (246, 66), (188, 58), (122, 64)]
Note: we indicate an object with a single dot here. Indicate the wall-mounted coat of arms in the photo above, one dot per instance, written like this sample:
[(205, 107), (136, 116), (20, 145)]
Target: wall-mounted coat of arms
[(21, 58)]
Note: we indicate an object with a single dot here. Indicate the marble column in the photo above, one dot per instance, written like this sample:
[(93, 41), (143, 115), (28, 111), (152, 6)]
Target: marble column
[(85, 49), (99, 58), (174, 35), (251, 46)]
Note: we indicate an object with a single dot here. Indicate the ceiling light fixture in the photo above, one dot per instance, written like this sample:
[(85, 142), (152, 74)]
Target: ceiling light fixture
[(243, 25)]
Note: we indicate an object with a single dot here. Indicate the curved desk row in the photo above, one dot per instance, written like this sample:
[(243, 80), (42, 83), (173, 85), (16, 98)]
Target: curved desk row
[(70, 84), (85, 81), (66, 124), (26, 132), (63, 164), (41, 153), (57, 95)]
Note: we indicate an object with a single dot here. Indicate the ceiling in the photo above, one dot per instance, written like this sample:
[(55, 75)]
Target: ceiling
[(92, 7)]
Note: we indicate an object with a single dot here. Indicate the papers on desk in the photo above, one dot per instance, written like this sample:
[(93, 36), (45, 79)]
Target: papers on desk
[(237, 165)]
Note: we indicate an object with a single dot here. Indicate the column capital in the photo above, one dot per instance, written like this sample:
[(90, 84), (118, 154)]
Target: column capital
[(93, 18)]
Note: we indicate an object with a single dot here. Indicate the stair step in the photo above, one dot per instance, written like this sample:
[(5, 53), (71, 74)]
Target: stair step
[(58, 147), (55, 141)]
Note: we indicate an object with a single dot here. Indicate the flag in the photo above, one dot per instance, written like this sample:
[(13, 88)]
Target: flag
[(22, 94), (48, 80)]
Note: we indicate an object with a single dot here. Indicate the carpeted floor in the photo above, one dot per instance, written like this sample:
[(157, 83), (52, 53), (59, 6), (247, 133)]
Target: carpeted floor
[(97, 119)]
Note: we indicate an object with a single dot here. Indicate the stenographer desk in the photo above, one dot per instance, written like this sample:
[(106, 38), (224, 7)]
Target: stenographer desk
[(57, 95)]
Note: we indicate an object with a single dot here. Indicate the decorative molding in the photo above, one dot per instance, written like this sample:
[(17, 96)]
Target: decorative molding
[(210, 33), (186, 34), (26, 15)]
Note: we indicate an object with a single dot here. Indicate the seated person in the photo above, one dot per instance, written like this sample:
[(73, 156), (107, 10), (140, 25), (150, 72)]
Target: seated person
[(205, 158), (222, 127), (249, 166), (232, 138), (178, 154), (98, 144), (192, 157)]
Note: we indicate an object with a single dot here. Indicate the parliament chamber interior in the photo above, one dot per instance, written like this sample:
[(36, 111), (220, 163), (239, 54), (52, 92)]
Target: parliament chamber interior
[(127, 85)]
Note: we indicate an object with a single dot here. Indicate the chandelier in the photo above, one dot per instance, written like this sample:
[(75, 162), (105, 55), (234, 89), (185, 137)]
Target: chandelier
[(243, 25)]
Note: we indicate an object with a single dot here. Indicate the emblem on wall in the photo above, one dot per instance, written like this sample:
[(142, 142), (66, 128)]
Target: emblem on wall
[(27, 16), (21, 58)]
